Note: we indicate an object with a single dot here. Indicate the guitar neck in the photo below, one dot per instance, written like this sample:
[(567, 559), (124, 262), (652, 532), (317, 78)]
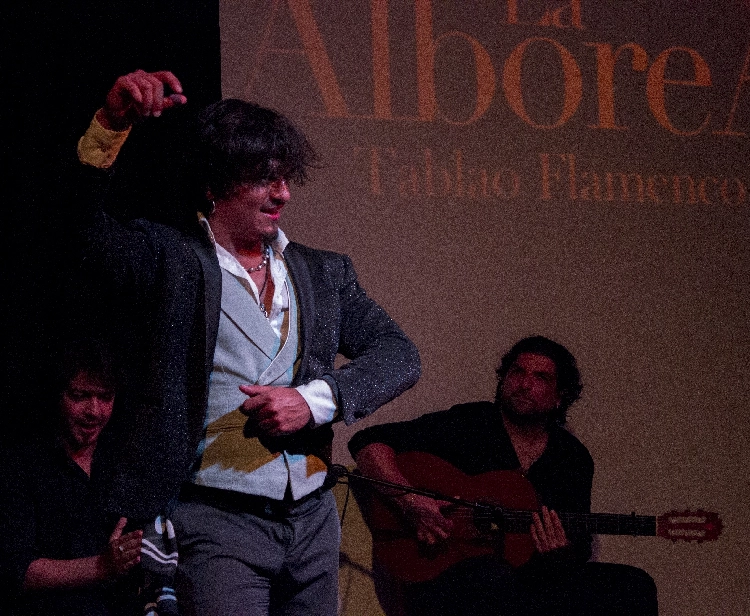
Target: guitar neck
[(587, 523), (433, 474)]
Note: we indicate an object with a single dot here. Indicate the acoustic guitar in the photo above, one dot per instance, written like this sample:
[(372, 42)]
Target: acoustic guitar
[(494, 517)]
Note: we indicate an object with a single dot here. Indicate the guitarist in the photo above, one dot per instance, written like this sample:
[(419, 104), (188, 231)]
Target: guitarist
[(521, 430)]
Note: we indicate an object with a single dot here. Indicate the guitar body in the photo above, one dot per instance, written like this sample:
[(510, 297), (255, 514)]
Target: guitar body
[(396, 548)]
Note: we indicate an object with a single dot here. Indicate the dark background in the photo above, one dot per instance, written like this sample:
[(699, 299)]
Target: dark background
[(59, 60), (651, 298)]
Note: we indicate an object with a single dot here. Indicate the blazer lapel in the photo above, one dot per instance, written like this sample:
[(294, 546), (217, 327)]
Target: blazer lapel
[(299, 273), (206, 254), (241, 310)]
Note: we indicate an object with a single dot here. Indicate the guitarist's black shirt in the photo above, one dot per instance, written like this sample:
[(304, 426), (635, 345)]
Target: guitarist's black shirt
[(472, 438)]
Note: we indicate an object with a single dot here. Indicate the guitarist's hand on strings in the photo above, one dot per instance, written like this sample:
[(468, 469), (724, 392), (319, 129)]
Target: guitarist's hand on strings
[(424, 514), (547, 531)]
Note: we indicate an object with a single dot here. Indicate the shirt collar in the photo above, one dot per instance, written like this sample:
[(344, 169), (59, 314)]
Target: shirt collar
[(227, 261), (277, 267)]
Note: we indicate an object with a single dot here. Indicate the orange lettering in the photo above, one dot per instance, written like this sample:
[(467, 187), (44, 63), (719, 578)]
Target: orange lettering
[(553, 17), (426, 49), (605, 80), (651, 187), (744, 80), (314, 49), (572, 83), (381, 60), (594, 188), (549, 176), (511, 192), (656, 81), (426, 101), (408, 186), (702, 189), (741, 192), (513, 13), (374, 166), (677, 189)]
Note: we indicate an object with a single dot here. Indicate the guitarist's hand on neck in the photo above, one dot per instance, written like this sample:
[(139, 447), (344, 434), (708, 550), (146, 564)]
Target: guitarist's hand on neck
[(547, 531)]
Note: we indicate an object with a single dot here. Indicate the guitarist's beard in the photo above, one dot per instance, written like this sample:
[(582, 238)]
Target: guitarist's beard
[(523, 419)]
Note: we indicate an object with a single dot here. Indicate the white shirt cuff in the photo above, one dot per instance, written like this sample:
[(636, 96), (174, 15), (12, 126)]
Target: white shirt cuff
[(319, 397)]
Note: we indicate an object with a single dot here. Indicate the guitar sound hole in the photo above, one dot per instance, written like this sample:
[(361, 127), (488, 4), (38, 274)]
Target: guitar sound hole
[(486, 525)]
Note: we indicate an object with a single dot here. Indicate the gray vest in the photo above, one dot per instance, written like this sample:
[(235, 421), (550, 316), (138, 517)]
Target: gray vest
[(248, 351)]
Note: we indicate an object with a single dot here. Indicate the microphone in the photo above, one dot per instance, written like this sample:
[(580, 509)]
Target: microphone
[(335, 472)]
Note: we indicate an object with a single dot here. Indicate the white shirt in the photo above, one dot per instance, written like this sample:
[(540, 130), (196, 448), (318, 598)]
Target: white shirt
[(317, 393)]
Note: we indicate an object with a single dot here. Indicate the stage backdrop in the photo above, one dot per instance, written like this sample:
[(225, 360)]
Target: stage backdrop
[(571, 168)]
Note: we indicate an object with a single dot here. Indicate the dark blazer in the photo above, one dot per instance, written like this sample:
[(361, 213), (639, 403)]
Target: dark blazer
[(169, 284)]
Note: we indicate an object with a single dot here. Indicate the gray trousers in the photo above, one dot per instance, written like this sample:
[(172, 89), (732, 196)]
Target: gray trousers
[(240, 557)]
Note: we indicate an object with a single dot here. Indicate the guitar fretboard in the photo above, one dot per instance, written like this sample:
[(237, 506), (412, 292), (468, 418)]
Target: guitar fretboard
[(581, 523)]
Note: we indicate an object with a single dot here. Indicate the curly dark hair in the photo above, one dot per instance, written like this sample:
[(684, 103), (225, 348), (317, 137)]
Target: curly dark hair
[(243, 143), (90, 355), (569, 384)]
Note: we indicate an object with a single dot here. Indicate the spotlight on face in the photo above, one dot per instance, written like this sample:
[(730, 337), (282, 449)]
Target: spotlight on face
[(85, 408)]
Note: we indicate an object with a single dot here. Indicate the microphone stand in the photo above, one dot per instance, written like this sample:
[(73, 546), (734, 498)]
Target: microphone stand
[(337, 471)]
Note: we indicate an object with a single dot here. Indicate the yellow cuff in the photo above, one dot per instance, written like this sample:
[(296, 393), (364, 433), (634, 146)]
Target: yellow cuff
[(100, 146)]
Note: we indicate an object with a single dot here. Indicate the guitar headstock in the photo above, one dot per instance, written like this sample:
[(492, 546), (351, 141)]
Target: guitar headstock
[(689, 526)]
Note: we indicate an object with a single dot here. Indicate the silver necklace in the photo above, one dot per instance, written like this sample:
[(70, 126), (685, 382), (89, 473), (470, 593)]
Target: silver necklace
[(263, 263), (261, 297)]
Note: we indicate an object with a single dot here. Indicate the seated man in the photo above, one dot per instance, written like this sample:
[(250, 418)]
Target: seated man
[(60, 554), (522, 430)]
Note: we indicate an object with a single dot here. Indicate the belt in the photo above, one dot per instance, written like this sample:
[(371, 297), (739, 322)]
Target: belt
[(239, 502)]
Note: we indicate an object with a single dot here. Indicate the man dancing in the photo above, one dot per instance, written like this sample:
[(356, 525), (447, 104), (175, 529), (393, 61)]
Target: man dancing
[(231, 387)]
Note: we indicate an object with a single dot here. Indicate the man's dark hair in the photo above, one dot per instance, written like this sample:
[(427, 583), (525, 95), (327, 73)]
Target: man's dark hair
[(243, 143), (91, 356), (569, 384)]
